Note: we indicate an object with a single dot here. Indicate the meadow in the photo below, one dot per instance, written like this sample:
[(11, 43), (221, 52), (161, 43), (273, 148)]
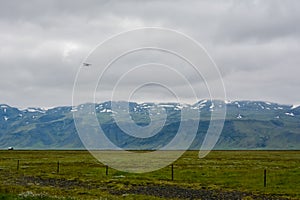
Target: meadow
[(220, 175)]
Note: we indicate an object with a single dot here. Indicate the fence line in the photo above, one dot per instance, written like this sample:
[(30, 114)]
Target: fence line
[(172, 169)]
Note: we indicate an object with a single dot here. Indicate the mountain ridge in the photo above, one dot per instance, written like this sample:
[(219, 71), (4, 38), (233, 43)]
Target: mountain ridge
[(248, 125)]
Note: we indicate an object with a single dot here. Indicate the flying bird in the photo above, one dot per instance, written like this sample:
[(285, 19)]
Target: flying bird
[(86, 64)]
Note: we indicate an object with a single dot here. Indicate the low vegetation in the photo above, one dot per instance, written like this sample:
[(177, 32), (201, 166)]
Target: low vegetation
[(220, 175)]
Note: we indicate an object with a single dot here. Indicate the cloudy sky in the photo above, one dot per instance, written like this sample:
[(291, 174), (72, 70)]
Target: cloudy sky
[(255, 44)]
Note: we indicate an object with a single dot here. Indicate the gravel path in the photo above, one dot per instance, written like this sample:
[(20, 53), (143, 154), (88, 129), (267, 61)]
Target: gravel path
[(184, 193), (60, 183), (163, 191)]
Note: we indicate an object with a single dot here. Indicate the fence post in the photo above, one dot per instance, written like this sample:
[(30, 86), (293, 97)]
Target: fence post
[(57, 170), (265, 178), (172, 167), (106, 170), (18, 165)]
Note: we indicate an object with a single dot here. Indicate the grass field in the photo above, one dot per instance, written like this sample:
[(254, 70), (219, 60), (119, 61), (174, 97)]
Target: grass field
[(222, 174)]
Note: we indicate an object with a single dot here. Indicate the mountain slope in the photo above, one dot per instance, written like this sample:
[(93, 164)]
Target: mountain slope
[(248, 125)]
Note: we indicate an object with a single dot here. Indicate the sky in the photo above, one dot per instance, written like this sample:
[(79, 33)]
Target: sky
[(255, 44)]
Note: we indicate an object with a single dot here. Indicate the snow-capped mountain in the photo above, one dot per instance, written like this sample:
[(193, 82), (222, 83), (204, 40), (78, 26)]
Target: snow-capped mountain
[(249, 124)]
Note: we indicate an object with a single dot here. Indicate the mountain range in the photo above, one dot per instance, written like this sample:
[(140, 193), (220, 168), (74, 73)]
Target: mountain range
[(248, 125)]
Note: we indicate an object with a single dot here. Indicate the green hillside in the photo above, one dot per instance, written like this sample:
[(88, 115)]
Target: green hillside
[(248, 125)]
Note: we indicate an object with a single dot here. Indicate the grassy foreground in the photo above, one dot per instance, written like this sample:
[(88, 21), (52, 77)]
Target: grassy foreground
[(80, 176)]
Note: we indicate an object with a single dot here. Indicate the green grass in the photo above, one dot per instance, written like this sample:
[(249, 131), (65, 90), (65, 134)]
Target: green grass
[(83, 177), (28, 197)]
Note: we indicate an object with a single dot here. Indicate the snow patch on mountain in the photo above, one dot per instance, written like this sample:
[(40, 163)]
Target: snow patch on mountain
[(237, 104), (75, 109), (290, 114), (211, 108), (181, 106), (34, 110), (239, 116), (227, 101), (262, 107), (166, 105)]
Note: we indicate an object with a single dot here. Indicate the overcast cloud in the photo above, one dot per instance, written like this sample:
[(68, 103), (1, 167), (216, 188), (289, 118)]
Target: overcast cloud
[(256, 44)]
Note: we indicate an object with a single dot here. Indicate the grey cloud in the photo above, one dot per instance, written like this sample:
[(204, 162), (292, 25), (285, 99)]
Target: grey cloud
[(254, 43), (260, 21)]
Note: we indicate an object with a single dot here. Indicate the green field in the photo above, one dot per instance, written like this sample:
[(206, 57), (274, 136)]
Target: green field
[(222, 174)]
